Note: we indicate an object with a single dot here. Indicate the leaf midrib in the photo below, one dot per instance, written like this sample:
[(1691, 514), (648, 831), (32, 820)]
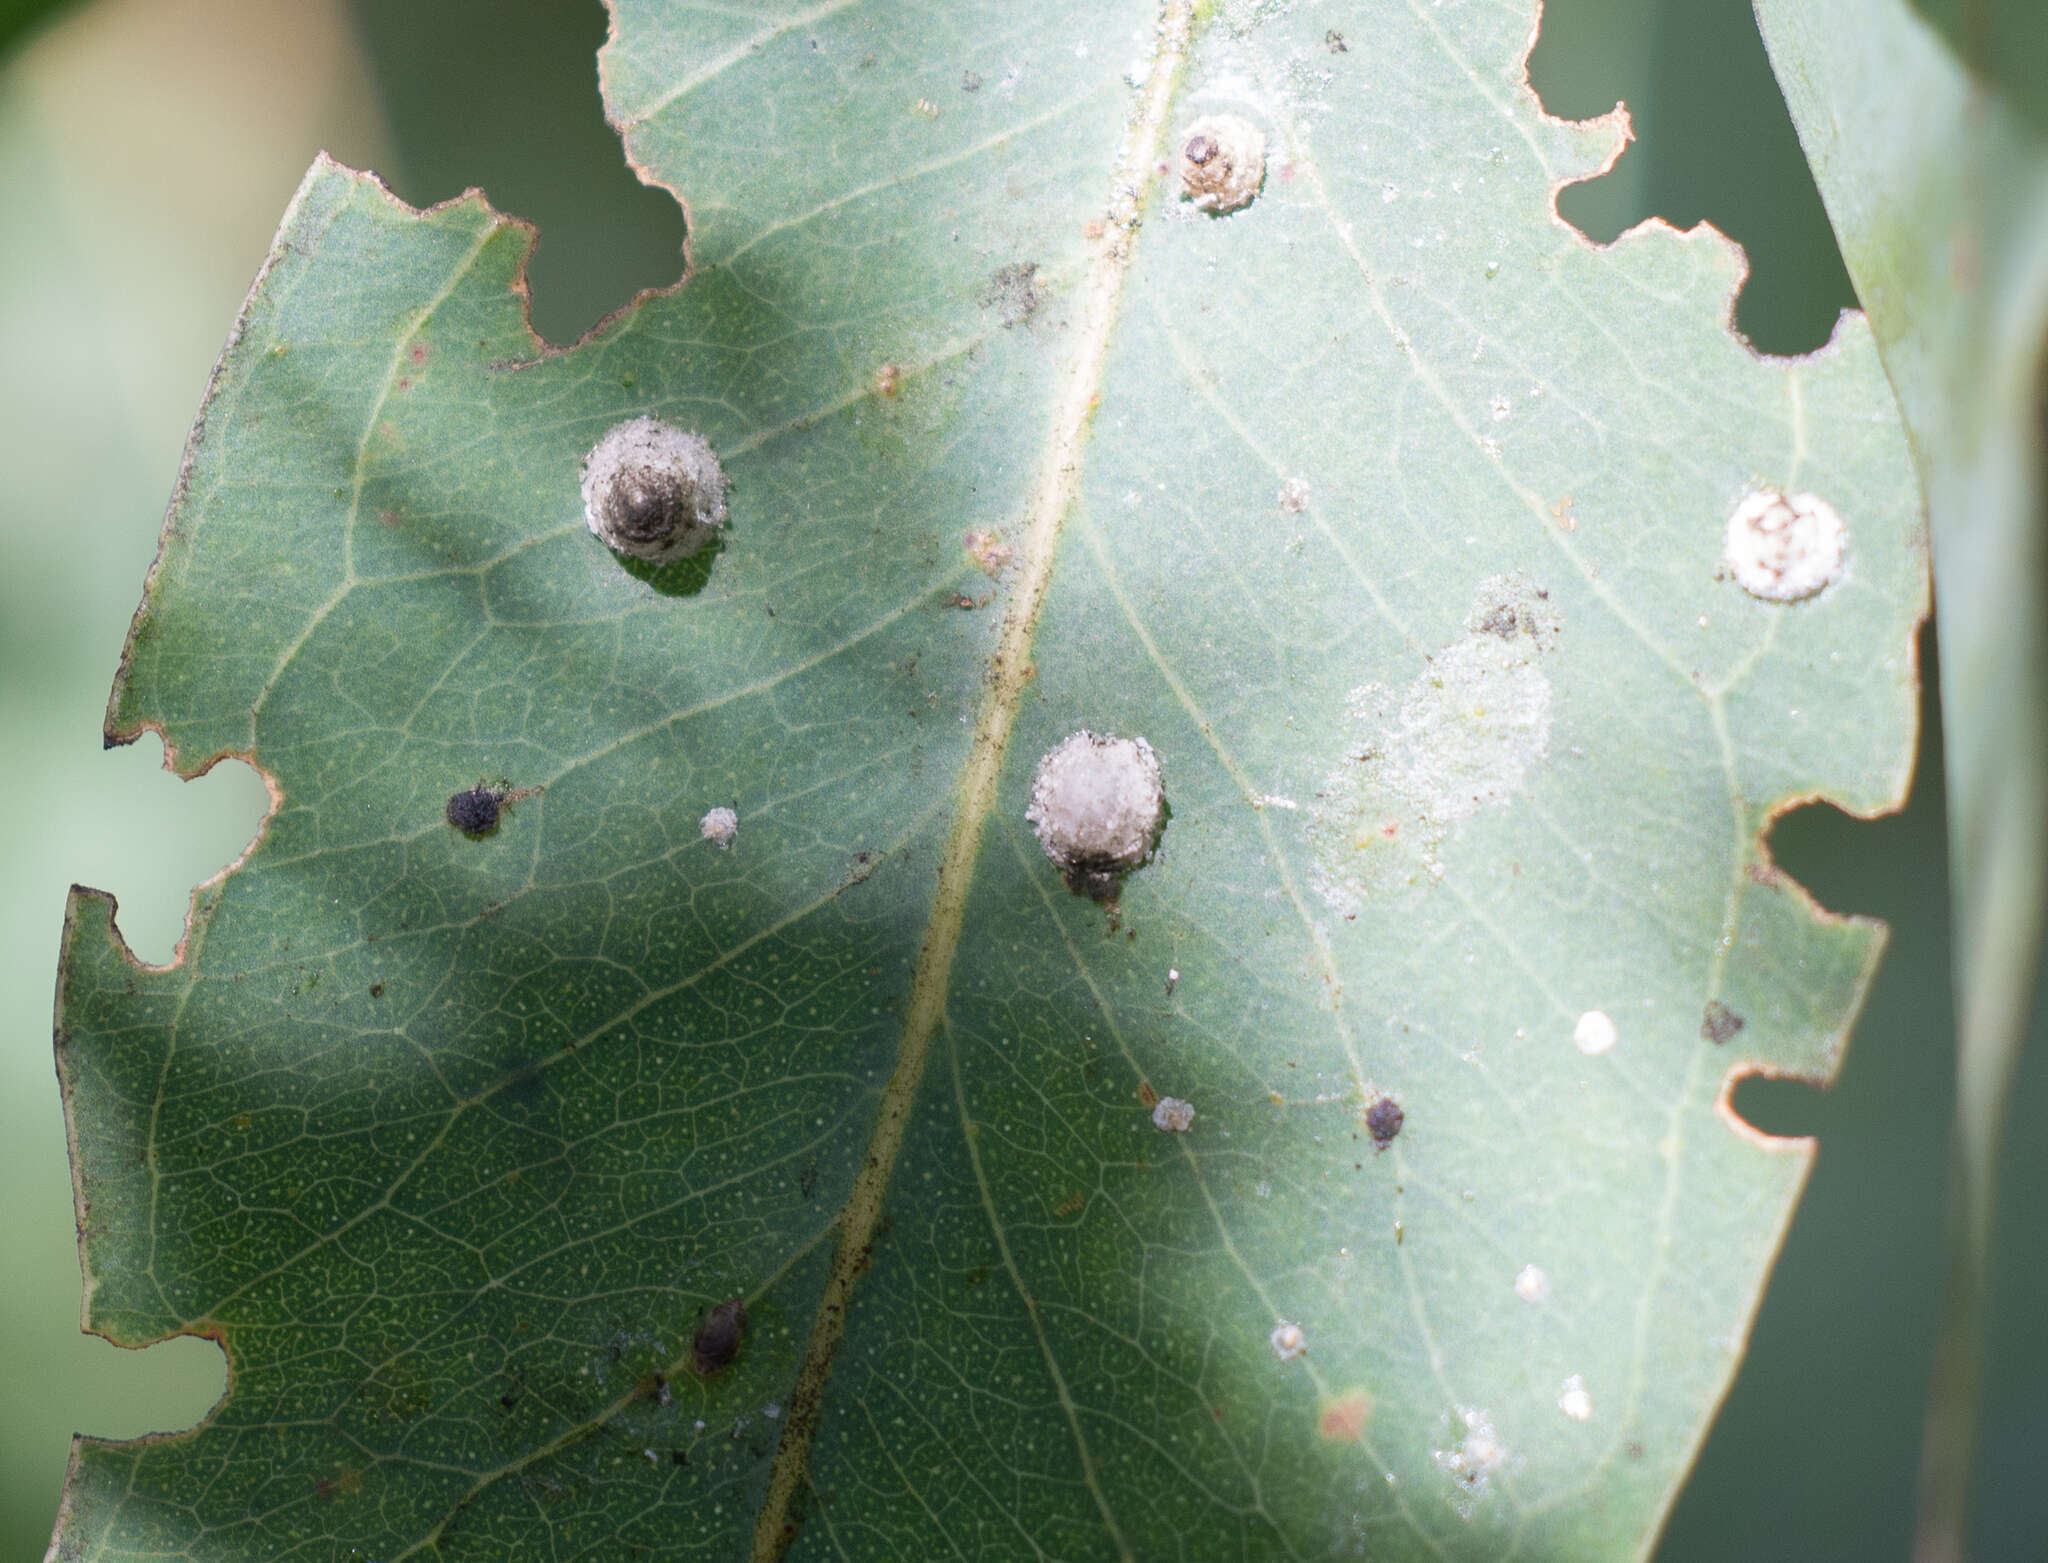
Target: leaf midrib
[(1050, 502)]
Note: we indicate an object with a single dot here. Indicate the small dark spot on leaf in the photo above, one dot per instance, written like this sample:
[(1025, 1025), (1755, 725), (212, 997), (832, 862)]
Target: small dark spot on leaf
[(1013, 293), (977, 1275), (678, 1457), (1502, 621), (718, 1337), (376, 990), (1334, 42), (1199, 150), (1719, 1023), (969, 82), (1383, 1121), (475, 811)]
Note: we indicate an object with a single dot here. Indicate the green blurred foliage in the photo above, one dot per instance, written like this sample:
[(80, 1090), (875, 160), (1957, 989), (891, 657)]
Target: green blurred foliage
[(132, 233), (2004, 41), (103, 354), (19, 17)]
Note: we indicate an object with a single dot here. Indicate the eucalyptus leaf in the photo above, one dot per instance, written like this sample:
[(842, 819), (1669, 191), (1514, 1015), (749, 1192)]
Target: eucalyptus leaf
[(1928, 142), (1387, 510)]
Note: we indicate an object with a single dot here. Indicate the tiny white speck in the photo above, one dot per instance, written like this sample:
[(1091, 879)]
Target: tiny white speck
[(1137, 72), (1532, 1285), (720, 825), (1173, 974), (773, 1411), (1575, 1402), (1477, 1455), (1080, 51), (1500, 407), (1294, 496), (1173, 1115), (1595, 1033), (1288, 1342)]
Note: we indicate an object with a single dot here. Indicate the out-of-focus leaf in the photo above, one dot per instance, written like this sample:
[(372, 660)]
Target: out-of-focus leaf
[(1388, 510), (145, 146), (19, 17), (1935, 173)]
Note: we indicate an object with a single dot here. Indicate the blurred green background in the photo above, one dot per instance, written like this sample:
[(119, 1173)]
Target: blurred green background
[(147, 150)]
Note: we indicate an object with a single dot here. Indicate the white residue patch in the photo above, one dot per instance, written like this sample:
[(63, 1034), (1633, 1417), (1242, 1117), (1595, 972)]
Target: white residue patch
[(1782, 548), (1575, 1402), (1288, 1341), (1173, 1115), (1595, 1033), (1462, 737), (720, 825), (1477, 1456), (1532, 1285), (1294, 496)]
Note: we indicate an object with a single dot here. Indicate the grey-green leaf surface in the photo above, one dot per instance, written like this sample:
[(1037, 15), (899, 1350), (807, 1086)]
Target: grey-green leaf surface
[(1929, 147), (1386, 509)]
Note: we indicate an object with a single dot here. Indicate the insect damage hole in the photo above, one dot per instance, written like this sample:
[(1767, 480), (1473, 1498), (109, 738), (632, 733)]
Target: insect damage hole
[(1222, 163), (1097, 805), (1784, 548), (653, 491)]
